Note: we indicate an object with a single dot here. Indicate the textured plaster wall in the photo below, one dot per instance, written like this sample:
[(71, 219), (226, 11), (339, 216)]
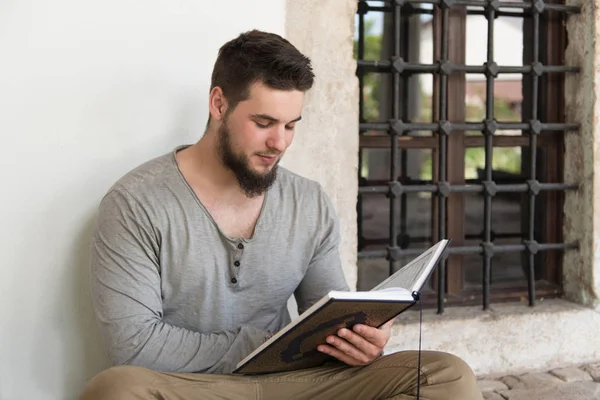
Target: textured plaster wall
[(582, 157), (510, 338), (325, 146)]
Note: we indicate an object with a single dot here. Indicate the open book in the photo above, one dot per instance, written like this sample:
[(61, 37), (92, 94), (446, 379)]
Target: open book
[(295, 346)]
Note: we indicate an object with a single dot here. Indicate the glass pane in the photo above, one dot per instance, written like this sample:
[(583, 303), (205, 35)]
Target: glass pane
[(371, 272), (414, 225), (475, 95), (371, 98), (377, 87), (375, 165), (373, 37), (507, 101), (373, 33), (425, 112), (509, 226), (414, 208), (508, 51), (375, 221), (509, 223), (508, 40), (414, 231), (507, 97), (506, 269), (506, 164), (506, 228), (422, 52)]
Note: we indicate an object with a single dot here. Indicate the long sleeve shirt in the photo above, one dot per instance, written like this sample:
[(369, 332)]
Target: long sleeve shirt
[(173, 293)]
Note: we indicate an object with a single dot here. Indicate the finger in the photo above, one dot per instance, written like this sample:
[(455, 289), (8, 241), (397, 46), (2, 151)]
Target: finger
[(348, 349), (340, 355), (373, 335), (357, 342)]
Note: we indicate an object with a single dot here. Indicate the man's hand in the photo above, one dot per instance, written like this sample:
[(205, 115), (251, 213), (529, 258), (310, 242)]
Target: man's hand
[(359, 346)]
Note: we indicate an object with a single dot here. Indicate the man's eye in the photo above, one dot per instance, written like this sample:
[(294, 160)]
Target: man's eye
[(262, 125), (290, 128)]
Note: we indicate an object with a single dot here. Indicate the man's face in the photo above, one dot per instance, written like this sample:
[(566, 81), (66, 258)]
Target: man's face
[(254, 136)]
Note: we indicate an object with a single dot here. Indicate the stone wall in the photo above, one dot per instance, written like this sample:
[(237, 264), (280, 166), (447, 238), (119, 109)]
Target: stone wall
[(581, 269), (325, 146)]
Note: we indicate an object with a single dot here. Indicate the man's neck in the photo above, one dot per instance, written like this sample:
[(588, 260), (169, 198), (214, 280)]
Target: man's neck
[(204, 170)]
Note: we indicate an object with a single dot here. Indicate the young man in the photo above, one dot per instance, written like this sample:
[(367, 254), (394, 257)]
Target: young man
[(197, 252)]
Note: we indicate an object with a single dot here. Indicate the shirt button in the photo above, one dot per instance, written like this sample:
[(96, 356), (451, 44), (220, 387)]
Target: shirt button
[(236, 263), (233, 280), (240, 246)]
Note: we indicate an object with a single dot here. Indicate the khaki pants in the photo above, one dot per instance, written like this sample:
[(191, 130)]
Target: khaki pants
[(443, 377)]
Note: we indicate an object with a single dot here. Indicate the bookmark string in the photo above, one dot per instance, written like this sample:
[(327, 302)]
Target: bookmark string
[(418, 298)]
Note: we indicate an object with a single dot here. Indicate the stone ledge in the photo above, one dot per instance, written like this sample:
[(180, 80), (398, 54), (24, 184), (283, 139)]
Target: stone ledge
[(574, 391), (594, 371), (489, 385), (510, 338), (571, 374), (574, 383)]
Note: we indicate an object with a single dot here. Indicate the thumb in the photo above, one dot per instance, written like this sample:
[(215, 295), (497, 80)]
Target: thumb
[(388, 324)]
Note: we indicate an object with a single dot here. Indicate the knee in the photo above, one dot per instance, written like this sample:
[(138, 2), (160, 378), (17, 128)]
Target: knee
[(453, 366), (116, 383), (436, 367), (454, 374)]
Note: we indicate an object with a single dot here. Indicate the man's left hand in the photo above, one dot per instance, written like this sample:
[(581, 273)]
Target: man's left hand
[(359, 346)]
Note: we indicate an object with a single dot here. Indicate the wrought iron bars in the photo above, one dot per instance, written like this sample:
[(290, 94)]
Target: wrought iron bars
[(400, 70)]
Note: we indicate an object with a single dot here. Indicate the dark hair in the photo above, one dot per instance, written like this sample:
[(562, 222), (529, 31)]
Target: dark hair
[(257, 56)]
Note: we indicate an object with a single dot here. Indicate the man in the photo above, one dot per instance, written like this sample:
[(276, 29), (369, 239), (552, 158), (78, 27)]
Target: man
[(197, 252)]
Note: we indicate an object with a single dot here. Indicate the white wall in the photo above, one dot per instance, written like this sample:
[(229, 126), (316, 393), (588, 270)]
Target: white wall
[(88, 90)]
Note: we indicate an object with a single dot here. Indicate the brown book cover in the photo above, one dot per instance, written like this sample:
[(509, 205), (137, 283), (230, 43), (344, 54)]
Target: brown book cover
[(295, 346)]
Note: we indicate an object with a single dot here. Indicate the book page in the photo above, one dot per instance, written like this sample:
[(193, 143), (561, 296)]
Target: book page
[(384, 294), (413, 275)]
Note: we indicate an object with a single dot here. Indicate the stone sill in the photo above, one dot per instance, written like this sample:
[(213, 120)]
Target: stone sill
[(510, 338)]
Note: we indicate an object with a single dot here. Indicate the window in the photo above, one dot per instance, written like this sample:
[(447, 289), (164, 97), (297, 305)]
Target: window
[(461, 137)]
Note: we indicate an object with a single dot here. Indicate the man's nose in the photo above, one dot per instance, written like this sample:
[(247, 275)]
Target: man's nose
[(277, 139)]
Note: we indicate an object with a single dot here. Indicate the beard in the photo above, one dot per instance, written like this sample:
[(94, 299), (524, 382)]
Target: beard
[(252, 183)]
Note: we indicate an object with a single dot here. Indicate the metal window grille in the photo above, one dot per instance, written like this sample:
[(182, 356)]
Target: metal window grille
[(537, 126)]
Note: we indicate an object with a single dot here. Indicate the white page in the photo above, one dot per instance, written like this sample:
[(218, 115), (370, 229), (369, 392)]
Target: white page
[(413, 275)]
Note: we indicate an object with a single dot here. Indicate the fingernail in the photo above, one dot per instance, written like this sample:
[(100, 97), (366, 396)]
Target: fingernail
[(330, 340)]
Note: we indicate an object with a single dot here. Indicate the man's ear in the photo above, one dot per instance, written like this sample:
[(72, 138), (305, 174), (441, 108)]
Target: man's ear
[(217, 103)]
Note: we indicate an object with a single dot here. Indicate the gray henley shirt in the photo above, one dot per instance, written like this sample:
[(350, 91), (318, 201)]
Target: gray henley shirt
[(173, 293)]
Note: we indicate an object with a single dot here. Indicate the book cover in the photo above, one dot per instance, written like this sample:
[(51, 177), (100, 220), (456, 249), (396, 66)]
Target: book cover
[(297, 348)]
